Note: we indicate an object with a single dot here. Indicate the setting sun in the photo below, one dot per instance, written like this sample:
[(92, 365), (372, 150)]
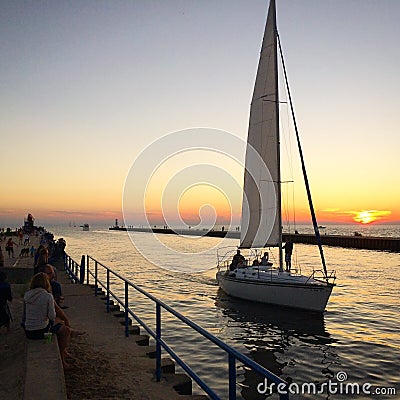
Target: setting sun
[(365, 217), (368, 216)]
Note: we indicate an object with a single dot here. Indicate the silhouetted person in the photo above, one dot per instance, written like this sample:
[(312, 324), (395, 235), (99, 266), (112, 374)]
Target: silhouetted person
[(288, 254)]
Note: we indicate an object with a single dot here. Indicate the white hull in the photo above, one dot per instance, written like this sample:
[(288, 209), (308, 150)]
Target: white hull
[(279, 288)]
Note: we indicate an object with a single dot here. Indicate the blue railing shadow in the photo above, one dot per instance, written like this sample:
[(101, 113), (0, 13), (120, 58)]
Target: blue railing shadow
[(78, 272)]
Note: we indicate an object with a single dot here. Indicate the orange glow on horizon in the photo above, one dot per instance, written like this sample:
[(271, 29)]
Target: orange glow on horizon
[(363, 216), (198, 204), (368, 216)]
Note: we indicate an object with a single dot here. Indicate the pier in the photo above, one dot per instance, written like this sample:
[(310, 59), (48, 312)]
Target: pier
[(351, 242)]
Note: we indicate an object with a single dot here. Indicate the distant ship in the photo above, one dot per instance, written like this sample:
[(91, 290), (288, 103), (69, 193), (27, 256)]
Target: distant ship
[(85, 227)]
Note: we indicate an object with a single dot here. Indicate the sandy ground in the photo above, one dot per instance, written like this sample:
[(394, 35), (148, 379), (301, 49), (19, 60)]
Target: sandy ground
[(106, 364)]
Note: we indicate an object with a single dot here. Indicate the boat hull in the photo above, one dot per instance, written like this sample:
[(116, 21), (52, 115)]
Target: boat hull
[(302, 296)]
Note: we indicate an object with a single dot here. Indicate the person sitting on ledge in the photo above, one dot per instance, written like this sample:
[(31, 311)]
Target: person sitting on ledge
[(41, 260), (55, 286), (39, 314)]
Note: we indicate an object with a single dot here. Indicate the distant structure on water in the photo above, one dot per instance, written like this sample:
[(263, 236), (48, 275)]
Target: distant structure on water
[(116, 227)]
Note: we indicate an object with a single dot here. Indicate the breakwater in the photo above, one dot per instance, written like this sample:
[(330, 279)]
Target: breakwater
[(347, 241)]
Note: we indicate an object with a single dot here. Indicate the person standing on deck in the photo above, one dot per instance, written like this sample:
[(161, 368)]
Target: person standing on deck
[(288, 254)]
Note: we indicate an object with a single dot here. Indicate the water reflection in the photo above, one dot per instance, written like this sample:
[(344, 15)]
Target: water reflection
[(292, 344)]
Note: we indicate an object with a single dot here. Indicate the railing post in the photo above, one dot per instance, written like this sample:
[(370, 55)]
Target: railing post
[(82, 270), (126, 309), (76, 265), (95, 278), (87, 269), (72, 272), (108, 291), (232, 377), (158, 343)]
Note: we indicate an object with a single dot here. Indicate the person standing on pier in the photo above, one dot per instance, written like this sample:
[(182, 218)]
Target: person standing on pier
[(10, 247)]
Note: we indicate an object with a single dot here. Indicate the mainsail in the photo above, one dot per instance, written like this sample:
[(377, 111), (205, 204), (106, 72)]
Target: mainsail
[(261, 209)]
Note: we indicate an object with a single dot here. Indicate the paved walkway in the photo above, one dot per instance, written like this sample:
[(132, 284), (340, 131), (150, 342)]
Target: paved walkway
[(17, 261)]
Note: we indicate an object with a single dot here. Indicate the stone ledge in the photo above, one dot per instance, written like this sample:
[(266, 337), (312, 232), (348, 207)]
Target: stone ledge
[(44, 371)]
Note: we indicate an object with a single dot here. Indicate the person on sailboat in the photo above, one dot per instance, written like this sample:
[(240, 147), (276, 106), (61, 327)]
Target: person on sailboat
[(237, 261), (265, 259), (288, 254)]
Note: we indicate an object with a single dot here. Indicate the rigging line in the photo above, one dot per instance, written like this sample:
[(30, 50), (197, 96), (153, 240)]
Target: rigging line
[(303, 167), (288, 147), (294, 210), (289, 136), (286, 129)]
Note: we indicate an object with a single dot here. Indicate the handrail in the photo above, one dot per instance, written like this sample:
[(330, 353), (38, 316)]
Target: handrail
[(72, 270)]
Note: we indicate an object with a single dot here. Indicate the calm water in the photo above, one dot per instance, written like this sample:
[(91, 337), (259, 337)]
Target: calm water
[(358, 334)]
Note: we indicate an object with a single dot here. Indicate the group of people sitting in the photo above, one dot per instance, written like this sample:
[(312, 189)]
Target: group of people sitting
[(42, 308), (239, 261), (43, 312)]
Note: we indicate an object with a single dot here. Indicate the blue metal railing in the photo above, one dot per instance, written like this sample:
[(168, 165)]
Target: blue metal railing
[(78, 273)]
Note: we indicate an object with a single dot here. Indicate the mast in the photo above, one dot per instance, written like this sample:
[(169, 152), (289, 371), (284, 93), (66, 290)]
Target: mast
[(278, 151), (303, 165)]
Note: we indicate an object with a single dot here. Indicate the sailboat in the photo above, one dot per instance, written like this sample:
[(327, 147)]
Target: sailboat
[(261, 224)]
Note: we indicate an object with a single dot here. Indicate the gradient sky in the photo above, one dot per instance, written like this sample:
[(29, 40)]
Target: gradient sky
[(86, 86)]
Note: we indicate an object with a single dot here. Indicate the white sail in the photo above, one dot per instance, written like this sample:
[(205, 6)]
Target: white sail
[(261, 209)]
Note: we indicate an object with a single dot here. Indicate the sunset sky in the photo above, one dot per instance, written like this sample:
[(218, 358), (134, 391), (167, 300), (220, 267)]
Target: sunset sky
[(88, 86)]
